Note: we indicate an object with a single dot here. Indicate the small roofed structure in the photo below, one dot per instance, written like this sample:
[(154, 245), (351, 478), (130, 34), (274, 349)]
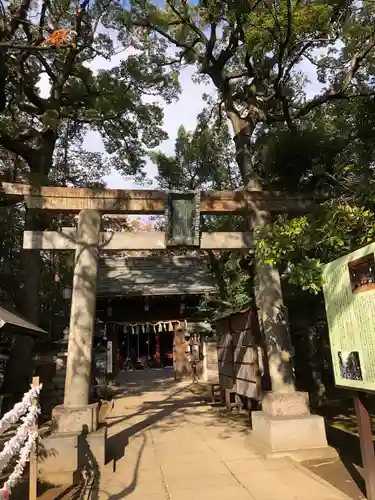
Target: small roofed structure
[(11, 323), (142, 301)]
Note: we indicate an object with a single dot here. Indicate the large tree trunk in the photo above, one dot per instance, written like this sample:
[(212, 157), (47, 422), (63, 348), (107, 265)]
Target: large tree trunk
[(243, 131), (20, 366), (268, 292)]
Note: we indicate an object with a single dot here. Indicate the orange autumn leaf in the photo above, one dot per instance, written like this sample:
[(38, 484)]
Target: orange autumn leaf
[(59, 38)]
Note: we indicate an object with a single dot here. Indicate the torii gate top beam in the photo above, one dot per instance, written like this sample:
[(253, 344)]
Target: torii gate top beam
[(73, 200)]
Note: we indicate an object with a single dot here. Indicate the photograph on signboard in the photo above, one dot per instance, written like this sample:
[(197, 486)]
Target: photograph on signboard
[(362, 274), (350, 365), (349, 296)]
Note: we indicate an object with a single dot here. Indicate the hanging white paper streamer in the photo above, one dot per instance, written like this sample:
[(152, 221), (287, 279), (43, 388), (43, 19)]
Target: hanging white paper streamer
[(165, 326), (24, 457), (15, 443), (19, 409)]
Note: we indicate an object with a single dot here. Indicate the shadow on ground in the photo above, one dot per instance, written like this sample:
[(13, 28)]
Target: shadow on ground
[(166, 413)]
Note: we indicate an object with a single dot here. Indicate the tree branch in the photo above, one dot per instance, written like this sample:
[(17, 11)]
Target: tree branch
[(232, 46), (212, 39), (285, 42), (237, 74), (31, 48), (165, 34), (42, 18), (57, 87), (19, 16), (189, 23), (34, 98), (17, 146), (46, 67), (332, 94)]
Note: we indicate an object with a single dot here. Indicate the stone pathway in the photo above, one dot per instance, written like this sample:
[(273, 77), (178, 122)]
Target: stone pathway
[(165, 444)]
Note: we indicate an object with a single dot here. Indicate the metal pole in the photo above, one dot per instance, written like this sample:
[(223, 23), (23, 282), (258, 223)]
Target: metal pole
[(367, 445)]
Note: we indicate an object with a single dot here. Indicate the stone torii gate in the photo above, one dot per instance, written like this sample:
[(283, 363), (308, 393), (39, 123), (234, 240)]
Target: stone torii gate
[(270, 424)]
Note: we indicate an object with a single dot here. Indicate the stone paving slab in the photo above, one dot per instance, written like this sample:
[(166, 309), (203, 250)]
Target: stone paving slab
[(178, 448), (229, 493)]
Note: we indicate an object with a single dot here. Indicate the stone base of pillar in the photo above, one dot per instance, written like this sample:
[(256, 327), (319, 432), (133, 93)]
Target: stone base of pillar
[(75, 419), (285, 427), (63, 456)]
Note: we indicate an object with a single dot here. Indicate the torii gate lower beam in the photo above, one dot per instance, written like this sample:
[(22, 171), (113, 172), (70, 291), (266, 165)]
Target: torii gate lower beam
[(117, 242)]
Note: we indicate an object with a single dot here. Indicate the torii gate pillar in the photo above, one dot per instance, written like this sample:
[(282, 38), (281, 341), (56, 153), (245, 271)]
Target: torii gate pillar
[(76, 411), (285, 426)]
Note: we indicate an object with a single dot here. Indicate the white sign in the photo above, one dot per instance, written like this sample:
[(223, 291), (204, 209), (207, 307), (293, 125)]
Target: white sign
[(109, 356)]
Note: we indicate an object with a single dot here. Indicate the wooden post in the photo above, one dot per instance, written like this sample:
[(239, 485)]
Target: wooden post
[(227, 400), (33, 471), (181, 362), (367, 445), (157, 353)]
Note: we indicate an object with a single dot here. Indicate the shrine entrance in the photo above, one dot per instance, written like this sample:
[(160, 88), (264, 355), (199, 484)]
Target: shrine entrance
[(141, 301), (300, 430), (182, 213)]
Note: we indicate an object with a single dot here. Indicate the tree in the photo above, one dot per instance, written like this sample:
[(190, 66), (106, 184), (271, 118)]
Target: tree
[(335, 153), (341, 162), (56, 42), (77, 99), (45, 132), (204, 159), (251, 52)]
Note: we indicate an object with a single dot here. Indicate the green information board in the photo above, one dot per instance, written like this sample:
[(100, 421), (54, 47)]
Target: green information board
[(349, 293)]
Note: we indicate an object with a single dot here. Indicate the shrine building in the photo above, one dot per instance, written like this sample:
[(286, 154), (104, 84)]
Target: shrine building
[(141, 300)]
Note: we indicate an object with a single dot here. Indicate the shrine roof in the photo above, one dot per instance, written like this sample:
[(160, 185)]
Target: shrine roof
[(166, 275), (16, 324)]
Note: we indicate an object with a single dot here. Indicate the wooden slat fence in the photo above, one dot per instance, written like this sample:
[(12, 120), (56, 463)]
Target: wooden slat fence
[(238, 349)]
